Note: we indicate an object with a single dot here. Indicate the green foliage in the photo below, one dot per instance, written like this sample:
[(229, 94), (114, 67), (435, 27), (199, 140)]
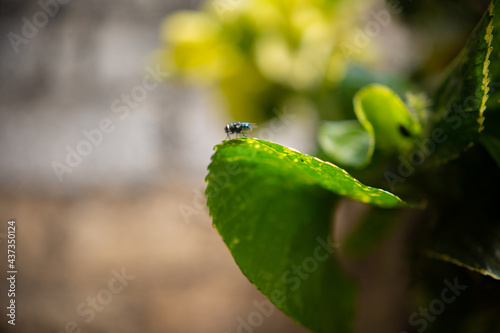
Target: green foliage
[(346, 142), (273, 206), (277, 202), (490, 137), (461, 99), (386, 118), (384, 122), (460, 112)]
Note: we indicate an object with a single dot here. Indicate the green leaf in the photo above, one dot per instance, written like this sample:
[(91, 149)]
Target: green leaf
[(386, 118), (477, 248), (345, 142), (468, 232), (461, 98), (490, 137), (272, 207), (493, 102), (492, 143), (337, 100)]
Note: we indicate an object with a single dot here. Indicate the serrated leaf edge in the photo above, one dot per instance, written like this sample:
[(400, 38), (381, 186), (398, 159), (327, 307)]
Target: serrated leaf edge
[(486, 79), (256, 143)]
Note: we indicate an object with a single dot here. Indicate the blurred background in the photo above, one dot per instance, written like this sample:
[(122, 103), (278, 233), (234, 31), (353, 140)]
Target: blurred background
[(108, 118)]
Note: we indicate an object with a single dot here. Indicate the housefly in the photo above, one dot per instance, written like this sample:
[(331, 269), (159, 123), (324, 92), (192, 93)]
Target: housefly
[(237, 128)]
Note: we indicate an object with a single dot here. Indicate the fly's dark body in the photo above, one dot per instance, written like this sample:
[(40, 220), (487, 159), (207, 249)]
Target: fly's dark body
[(237, 128)]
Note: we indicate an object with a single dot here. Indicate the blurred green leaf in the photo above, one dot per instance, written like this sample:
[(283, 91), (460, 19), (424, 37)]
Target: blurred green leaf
[(461, 98), (475, 247), (345, 142), (386, 118), (337, 104)]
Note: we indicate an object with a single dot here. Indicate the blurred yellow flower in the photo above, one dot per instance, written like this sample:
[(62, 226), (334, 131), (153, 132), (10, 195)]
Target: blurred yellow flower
[(259, 53)]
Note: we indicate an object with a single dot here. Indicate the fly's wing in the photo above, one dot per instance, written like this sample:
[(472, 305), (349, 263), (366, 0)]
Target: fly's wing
[(249, 126)]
